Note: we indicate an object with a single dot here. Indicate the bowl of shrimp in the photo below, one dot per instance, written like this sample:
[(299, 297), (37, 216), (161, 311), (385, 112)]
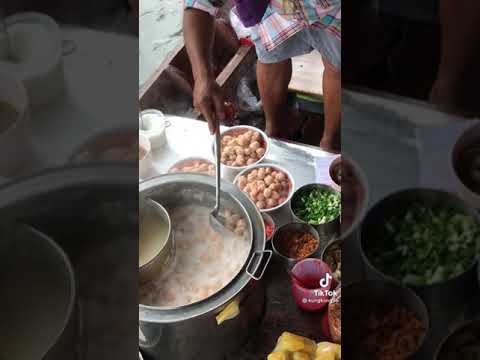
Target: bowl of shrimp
[(269, 186), (241, 147)]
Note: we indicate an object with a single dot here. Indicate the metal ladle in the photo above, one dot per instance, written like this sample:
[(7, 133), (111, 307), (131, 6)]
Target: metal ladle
[(217, 221)]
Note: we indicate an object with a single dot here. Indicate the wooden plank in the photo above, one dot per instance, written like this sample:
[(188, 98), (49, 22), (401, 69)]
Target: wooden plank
[(307, 74)]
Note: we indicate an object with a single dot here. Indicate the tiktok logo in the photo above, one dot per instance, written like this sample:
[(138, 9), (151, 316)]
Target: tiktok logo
[(326, 280)]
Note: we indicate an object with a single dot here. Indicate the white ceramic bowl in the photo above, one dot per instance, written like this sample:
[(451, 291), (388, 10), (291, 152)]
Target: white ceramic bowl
[(469, 139), (14, 139), (231, 171), (145, 164), (278, 168), (188, 160)]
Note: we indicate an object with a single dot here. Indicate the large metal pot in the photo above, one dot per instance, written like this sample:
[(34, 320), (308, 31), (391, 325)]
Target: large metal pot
[(91, 213), (191, 332)]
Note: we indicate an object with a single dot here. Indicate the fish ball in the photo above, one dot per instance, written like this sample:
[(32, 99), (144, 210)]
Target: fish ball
[(238, 150), (268, 180), (261, 173), (271, 203), (242, 141), (281, 176), (242, 183), (256, 136), (260, 151), (267, 193), (261, 186), (254, 145), (261, 204)]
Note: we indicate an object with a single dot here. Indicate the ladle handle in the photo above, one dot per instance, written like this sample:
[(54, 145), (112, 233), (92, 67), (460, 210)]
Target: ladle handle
[(217, 169)]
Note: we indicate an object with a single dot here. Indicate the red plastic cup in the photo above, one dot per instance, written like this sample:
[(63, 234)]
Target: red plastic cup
[(311, 285)]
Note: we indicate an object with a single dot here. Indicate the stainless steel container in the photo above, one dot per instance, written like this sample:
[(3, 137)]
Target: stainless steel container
[(290, 229), (463, 157), (328, 258), (191, 332), (355, 202), (466, 334), (147, 271), (380, 292), (41, 294), (326, 229), (438, 296)]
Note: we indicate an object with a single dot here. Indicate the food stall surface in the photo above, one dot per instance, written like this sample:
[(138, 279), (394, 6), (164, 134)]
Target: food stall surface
[(191, 138)]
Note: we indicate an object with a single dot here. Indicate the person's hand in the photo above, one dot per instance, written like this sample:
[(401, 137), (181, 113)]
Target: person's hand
[(209, 100)]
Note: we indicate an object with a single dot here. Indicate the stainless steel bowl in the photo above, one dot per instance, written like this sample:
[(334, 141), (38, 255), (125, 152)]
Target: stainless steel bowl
[(330, 228), (333, 245), (287, 230), (438, 295), (380, 292), (153, 267), (449, 347), (465, 150)]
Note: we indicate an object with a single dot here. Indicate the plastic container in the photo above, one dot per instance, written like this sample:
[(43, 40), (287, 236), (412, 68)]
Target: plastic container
[(313, 293)]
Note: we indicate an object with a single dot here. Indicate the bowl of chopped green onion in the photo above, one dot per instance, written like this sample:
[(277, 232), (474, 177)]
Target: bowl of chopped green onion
[(426, 239), (318, 205)]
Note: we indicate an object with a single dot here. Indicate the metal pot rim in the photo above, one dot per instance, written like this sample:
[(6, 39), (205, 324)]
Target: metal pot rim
[(152, 314)]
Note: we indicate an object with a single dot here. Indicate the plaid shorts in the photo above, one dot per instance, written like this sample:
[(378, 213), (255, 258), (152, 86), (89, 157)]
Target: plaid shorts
[(301, 43)]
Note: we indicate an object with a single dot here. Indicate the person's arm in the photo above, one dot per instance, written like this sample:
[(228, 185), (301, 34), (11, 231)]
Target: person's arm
[(199, 30)]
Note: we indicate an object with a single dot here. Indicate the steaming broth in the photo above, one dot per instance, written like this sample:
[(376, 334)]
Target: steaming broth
[(204, 261)]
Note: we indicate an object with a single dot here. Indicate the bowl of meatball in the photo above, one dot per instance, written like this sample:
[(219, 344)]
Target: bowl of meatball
[(193, 165), (269, 186), (242, 146)]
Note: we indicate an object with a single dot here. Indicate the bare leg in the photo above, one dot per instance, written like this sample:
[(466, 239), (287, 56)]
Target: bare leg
[(273, 80), (456, 87), (332, 85)]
